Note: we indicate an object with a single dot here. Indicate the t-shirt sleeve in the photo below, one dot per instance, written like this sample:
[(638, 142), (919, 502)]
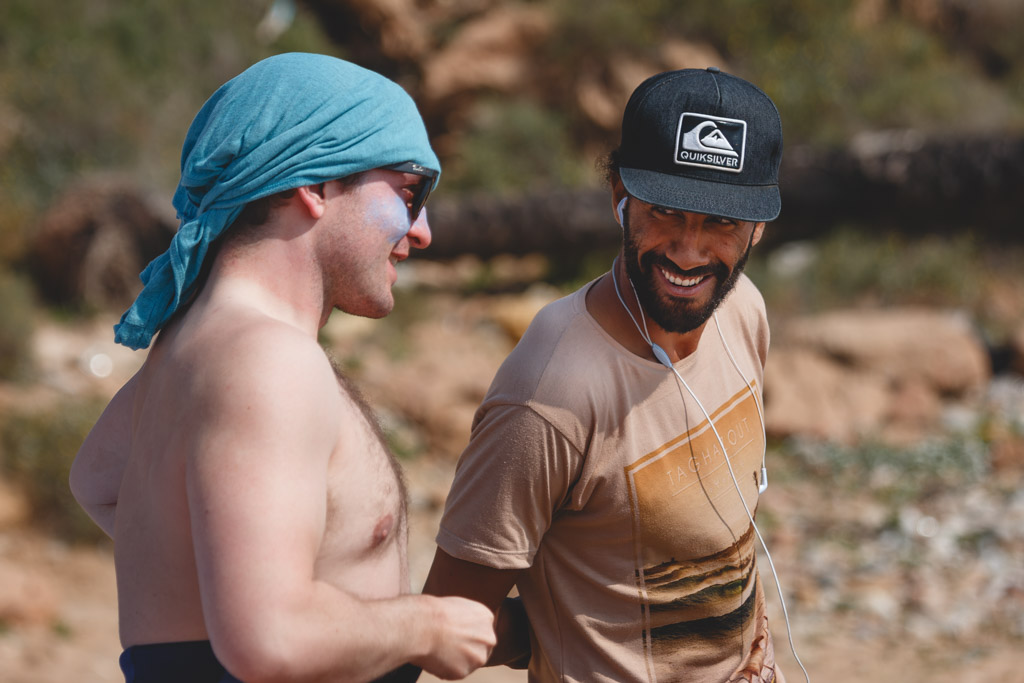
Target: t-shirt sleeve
[(514, 475)]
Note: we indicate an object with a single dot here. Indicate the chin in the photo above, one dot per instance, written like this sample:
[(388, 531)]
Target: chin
[(378, 312), (369, 309)]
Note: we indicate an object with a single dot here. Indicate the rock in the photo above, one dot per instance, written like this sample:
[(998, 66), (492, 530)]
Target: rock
[(914, 407), (602, 91), (934, 347), (490, 52), (402, 30), (601, 97), (515, 313), (438, 392), (808, 394), (886, 374), (678, 54), (91, 245)]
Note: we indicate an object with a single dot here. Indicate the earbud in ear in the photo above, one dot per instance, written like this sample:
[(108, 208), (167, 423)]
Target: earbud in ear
[(763, 486), (620, 208)]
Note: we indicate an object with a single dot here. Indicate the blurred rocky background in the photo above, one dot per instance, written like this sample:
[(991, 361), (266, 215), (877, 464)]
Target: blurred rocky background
[(894, 279)]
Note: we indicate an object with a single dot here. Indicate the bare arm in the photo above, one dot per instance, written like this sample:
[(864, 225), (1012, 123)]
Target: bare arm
[(452, 576), (99, 465), (271, 417)]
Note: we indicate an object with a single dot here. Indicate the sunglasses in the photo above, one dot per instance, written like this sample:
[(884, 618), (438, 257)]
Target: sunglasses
[(422, 189)]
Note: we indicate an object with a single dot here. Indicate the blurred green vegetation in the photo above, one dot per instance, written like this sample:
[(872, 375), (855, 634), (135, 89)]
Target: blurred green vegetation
[(103, 84), (16, 324), (36, 452), (855, 268), (830, 73), (896, 475), (517, 145), (848, 267)]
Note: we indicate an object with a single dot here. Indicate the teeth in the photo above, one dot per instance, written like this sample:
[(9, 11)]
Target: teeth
[(680, 282)]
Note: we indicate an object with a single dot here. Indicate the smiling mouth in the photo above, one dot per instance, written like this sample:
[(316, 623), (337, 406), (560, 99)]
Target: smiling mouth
[(396, 257), (683, 282)]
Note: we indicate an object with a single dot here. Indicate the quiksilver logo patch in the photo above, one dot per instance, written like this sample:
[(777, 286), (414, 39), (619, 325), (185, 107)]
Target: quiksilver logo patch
[(711, 142)]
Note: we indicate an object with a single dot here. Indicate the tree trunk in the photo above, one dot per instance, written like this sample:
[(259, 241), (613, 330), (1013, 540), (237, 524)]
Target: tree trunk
[(899, 182)]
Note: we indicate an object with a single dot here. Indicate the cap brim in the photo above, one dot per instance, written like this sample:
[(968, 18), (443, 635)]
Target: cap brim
[(742, 202)]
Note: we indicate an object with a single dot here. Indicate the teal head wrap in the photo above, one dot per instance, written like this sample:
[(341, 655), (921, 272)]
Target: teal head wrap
[(288, 121)]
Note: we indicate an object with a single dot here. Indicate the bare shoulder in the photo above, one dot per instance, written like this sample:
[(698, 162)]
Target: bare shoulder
[(257, 378), (256, 354)]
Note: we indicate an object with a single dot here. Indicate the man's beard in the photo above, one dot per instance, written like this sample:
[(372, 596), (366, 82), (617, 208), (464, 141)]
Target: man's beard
[(673, 315)]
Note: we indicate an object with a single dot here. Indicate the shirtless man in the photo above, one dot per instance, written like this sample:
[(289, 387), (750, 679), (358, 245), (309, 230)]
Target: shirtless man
[(259, 521)]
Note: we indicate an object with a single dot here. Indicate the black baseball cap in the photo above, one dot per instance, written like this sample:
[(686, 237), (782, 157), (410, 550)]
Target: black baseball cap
[(704, 141)]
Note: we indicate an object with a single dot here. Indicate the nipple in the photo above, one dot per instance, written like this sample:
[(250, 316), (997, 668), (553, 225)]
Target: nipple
[(382, 530)]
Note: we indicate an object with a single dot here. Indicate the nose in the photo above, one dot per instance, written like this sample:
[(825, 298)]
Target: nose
[(689, 247), (419, 233)]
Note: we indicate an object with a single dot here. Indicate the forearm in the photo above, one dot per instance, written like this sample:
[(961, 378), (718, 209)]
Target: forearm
[(513, 632), (452, 576), (334, 636), (329, 634)]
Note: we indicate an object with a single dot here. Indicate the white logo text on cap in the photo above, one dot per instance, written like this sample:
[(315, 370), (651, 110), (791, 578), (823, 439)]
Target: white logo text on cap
[(711, 142)]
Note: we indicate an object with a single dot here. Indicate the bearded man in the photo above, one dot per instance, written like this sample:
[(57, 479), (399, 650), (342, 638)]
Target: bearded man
[(615, 465)]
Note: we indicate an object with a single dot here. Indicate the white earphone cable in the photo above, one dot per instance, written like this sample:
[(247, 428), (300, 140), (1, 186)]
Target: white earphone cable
[(757, 404), (663, 358)]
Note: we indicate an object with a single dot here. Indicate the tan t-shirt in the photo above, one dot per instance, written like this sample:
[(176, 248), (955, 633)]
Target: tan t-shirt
[(594, 470)]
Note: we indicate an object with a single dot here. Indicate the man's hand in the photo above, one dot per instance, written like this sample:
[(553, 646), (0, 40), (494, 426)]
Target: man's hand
[(463, 637)]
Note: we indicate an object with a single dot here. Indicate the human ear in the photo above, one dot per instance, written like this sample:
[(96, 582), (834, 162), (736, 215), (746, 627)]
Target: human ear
[(313, 199), (758, 232), (619, 197)]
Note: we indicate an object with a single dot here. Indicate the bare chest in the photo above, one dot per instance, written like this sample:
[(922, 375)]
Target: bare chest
[(365, 532)]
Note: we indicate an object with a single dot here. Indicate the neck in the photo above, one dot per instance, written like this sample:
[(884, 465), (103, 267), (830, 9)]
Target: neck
[(277, 277), (642, 328)]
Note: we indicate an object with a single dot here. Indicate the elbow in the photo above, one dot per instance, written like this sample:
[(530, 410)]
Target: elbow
[(255, 663), (264, 654), (256, 672), (278, 660)]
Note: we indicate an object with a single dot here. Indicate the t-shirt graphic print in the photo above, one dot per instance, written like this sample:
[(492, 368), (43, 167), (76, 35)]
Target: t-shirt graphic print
[(708, 594)]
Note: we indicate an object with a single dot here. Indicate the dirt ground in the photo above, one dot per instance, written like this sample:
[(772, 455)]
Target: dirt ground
[(58, 618)]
